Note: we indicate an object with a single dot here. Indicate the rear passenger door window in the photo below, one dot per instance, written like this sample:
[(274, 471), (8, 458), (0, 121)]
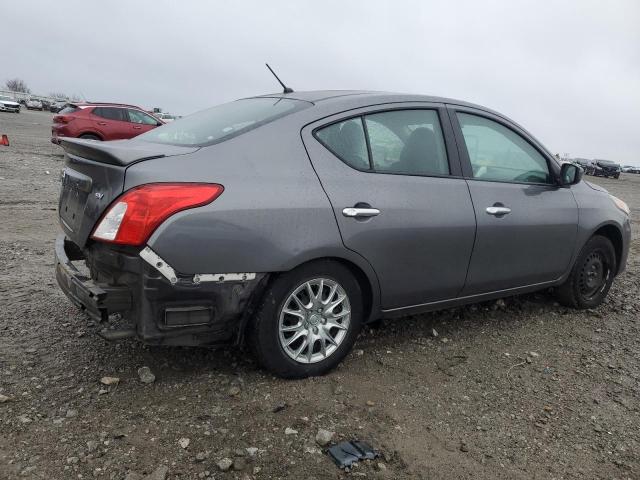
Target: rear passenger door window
[(497, 153), (406, 142), (111, 113)]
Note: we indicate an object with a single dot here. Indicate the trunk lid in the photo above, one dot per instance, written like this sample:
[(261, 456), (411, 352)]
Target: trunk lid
[(94, 176)]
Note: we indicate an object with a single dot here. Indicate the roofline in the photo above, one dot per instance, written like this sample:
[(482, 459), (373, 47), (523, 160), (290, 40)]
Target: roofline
[(111, 104)]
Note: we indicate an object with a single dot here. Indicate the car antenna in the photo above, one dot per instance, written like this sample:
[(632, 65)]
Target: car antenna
[(286, 89)]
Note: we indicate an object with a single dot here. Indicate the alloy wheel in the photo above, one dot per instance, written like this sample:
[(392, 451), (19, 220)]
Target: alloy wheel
[(314, 320)]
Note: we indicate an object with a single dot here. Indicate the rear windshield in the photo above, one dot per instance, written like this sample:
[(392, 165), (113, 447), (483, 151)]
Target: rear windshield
[(222, 122), (68, 109)]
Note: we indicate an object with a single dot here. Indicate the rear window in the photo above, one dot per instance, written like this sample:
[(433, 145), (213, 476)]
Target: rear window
[(222, 122), (69, 109)]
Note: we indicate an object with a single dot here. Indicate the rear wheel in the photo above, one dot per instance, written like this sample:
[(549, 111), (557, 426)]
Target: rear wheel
[(591, 276), (88, 136), (308, 320)]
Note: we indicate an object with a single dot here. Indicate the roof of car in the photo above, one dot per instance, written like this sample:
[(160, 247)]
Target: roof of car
[(103, 104), (316, 96)]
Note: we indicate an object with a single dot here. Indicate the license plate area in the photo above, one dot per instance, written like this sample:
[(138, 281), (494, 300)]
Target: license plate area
[(73, 197)]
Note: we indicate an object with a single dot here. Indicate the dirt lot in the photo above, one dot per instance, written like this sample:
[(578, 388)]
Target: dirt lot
[(520, 388)]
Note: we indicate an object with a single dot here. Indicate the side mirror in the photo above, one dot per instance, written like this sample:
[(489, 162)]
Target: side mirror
[(570, 174)]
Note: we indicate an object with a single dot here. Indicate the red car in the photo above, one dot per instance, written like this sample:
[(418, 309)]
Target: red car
[(101, 121)]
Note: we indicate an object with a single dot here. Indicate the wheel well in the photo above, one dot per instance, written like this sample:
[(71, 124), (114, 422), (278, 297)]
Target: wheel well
[(358, 273), (363, 281), (615, 237), (91, 133)]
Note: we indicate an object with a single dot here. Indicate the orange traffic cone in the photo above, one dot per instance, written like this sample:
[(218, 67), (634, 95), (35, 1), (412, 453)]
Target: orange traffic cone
[(5, 141)]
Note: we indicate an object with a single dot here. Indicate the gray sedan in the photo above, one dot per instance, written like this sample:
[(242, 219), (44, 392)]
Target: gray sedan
[(290, 220)]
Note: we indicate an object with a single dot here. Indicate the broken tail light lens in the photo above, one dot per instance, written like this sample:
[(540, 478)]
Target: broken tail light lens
[(134, 216)]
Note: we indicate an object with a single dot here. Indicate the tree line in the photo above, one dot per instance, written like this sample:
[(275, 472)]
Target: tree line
[(18, 85)]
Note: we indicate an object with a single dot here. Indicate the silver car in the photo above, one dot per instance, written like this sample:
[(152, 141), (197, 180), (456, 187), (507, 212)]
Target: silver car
[(8, 104), (290, 220)]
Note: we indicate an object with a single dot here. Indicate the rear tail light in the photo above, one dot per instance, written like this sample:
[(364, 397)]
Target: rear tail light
[(133, 217), (62, 118)]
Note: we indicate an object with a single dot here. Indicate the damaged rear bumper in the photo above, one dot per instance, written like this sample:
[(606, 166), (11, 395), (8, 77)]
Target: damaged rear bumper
[(161, 306), (97, 300)]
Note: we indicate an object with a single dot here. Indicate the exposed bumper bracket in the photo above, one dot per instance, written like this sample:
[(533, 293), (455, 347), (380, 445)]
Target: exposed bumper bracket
[(153, 259), (167, 271), (98, 300)]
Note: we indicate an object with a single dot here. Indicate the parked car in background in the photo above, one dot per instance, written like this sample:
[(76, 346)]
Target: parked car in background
[(8, 104), (293, 219), (607, 168), (630, 169), (57, 106), (33, 104), (586, 164), (101, 121), (166, 117)]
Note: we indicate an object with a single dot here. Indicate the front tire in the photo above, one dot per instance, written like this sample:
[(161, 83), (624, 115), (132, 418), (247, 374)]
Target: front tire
[(591, 276), (308, 320)]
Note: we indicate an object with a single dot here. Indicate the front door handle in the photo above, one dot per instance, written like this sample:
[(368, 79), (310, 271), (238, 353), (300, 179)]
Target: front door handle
[(354, 212), (137, 127), (102, 123), (498, 211)]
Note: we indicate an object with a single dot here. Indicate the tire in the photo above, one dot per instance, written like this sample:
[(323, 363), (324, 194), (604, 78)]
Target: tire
[(268, 341), (88, 136), (588, 285)]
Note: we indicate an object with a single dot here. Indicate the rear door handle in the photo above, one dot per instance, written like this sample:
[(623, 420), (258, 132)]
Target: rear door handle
[(360, 212), (498, 211), (102, 123), (137, 127)]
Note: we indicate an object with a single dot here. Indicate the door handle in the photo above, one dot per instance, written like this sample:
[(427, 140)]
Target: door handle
[(498, 211), (354, 212), (102, 123), (137, 127)]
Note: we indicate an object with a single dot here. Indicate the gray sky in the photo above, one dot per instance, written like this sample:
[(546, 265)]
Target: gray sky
[(568, 71)]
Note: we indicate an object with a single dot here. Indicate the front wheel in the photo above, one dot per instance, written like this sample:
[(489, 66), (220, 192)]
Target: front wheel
[(591, 276), (308, 320)]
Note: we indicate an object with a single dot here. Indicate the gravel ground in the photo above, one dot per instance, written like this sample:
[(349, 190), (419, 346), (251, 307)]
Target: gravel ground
[(519, 388)]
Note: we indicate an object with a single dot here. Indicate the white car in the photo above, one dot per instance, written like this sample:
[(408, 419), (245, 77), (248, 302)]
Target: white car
[(166, 117), (8, 104), (34, 104)]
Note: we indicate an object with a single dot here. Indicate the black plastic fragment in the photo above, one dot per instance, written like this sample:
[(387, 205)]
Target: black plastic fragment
[(345, 454)]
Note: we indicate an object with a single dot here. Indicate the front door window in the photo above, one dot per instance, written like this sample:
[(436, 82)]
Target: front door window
[(497, 153)]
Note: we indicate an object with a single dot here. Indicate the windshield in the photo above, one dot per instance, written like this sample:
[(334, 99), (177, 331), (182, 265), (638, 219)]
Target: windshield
[(8, 99), (224, 121)]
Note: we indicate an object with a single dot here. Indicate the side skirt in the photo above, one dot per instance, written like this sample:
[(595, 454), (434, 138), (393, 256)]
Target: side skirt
[(459, 301)]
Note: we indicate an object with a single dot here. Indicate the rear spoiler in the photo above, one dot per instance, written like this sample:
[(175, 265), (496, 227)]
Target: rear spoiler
[(121, 152)]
